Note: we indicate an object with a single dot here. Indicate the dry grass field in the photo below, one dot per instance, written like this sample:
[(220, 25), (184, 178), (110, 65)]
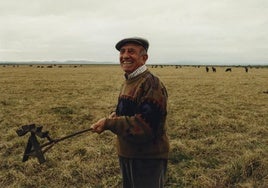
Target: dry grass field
[(217, 124)]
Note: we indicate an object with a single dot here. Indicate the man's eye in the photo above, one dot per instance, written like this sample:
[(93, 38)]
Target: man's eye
[(131, 51)]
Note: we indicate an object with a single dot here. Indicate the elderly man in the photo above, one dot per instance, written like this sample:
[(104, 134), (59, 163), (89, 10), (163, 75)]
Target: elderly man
[(139, 119)]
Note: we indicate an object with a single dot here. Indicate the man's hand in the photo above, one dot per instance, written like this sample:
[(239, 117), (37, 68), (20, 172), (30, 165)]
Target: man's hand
[(98, 127), (112, 115)]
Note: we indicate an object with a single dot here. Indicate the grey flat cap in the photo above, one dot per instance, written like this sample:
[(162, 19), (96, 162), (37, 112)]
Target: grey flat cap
[(137, 40)]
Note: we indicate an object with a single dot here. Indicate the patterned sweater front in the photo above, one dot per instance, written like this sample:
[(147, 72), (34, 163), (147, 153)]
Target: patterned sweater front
[(140, 118)]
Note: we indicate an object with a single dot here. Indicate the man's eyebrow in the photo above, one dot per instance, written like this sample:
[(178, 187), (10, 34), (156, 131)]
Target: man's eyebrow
[(129, 49)]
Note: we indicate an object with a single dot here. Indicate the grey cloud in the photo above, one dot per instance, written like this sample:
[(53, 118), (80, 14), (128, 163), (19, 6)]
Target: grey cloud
[(207, 30)]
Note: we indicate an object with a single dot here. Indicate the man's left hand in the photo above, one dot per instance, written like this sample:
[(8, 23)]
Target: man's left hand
[(98, 127)]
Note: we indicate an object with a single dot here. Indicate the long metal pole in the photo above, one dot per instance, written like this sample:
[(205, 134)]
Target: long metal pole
[(72, 135)]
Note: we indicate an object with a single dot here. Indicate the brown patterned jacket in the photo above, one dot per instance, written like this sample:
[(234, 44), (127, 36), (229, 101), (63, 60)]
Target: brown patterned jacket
[(140, 118)]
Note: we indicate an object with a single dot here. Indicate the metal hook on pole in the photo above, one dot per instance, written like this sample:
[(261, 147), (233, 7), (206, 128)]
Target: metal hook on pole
[(34, 148)]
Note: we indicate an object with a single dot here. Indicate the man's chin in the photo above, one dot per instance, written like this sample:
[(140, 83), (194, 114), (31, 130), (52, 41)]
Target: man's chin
[(126, 69)]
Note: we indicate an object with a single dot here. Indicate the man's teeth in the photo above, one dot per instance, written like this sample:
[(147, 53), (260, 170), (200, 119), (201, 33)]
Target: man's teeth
[(127, 62)]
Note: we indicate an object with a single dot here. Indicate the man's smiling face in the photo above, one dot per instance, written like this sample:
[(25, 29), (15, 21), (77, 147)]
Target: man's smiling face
[(132, 56)]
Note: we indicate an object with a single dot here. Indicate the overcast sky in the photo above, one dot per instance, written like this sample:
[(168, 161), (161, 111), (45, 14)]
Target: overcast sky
[(206, 31)]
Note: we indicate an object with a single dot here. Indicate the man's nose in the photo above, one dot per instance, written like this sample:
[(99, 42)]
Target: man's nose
[(125, 55)]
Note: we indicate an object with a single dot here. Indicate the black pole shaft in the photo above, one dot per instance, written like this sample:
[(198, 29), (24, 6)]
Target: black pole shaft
[(72, 135)]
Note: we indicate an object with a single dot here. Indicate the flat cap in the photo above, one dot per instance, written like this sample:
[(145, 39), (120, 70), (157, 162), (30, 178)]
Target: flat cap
[(136, 40)]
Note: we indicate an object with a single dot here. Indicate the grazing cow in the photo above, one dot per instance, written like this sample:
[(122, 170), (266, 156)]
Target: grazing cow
[(207, 69), (228, 70), (213, 69), (246, 69)]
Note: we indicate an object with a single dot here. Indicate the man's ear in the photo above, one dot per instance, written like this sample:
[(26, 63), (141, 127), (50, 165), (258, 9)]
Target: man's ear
[(145, 57)]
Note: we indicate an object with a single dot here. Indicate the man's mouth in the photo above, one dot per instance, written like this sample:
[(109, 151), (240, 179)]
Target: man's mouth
[(126, 62)]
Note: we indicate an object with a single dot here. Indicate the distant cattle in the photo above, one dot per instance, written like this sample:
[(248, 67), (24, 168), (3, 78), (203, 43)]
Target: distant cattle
[(213, 69), (246, 69), (207, 69), (228, 70)]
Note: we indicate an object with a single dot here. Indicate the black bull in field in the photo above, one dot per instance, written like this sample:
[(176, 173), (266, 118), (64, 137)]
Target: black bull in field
[(33, 147)]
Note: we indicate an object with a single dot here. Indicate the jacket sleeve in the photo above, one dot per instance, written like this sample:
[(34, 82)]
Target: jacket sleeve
[(132, 128)]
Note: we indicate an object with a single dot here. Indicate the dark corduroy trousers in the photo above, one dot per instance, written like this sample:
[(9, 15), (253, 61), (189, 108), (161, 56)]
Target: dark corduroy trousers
[(143, 173)]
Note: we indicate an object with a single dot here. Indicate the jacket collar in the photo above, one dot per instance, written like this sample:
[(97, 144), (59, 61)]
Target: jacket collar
[(137, 72)]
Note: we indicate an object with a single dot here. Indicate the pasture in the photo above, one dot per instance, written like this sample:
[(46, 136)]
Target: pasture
[(217, 125)]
